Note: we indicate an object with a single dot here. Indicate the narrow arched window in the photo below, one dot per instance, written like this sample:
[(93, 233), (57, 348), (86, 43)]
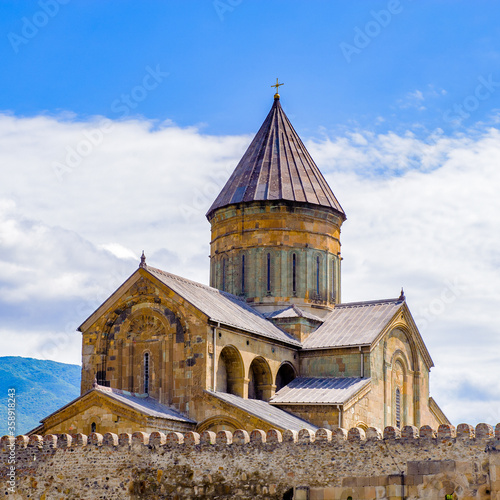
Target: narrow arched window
[(268, 273), (242, 274), (294, 274), (223, 275), (398, 408), (146, 372), (333, 280), (93, 427), (317, 275)]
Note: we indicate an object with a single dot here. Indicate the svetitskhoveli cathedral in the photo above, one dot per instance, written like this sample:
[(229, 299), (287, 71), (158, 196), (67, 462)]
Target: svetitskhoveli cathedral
[(269, 344)]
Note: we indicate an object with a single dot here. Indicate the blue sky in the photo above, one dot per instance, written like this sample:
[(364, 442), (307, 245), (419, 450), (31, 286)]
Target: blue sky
[(221, 60), (121, 121)]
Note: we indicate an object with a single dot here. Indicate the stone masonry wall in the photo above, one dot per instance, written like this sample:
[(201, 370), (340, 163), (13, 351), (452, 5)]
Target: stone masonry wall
[(456, 464)]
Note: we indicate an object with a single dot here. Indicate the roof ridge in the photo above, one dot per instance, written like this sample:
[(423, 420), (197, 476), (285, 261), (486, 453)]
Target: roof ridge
[(195, 283), (365, 303)]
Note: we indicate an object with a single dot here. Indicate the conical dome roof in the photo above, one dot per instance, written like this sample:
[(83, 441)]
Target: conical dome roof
[(277, 166)]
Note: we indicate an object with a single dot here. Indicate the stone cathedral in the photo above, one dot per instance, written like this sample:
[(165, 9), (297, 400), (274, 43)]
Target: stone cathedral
[(269, 344)]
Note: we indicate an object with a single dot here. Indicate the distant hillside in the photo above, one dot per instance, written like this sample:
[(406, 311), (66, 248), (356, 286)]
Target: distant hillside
[(41, 386)]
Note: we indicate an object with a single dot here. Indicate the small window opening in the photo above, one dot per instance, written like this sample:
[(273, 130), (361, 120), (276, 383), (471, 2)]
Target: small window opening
[(223, 275), (146, 372), (398, 408), (243, 274), (268, 273), (333, 279), (317, 275), (294, 274), (93, 427)]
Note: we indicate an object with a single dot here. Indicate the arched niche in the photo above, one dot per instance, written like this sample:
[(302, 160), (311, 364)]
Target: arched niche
[(230, 373), (285, 375), (260, 381), (219, 423)]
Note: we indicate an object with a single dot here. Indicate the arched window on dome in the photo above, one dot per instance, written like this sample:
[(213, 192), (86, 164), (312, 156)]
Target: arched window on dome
[(242, 274), (318, 262), (146, 372), (268, 273), (333, 280), (223, 274)]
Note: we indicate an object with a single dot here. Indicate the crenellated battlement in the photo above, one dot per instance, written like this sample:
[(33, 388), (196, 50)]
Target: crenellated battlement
[(480, 433), (411, 462)]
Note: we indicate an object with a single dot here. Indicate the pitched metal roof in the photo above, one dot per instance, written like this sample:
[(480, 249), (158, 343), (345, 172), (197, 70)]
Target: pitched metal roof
[(263, 410), (306, 390), (292, 312), (144, 404), (277, 166), (140, 402), (353, 324), (222, 307)]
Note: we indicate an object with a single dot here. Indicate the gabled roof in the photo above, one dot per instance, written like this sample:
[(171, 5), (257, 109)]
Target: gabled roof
[(356, 323), (265, 411), (308, 390), (144, 404), (222, 307), (277, 166), (139, 402), (292, 311)]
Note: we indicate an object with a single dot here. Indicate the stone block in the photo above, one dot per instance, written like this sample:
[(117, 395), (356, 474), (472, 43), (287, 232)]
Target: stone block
[(110, 439), (374, 434), (22, 441), (191, 438), (290, 436), (95, 439), (224, 438), (208, 438), (157, 439), (409, 432), (140, 438), (427, 432), (484, 431), (258, 436), (446, 431), (125, 439), (175, 439), (356, 434), (240, 436), (392, 433), (323, 435), (49, 441), (465, 431), (306, 436), (274, 436), (64, 441)]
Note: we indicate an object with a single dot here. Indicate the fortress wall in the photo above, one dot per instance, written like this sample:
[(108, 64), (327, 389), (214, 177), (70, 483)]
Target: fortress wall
[(416, 463)]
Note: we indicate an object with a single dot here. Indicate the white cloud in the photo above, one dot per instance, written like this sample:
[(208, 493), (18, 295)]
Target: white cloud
[(421, 213)]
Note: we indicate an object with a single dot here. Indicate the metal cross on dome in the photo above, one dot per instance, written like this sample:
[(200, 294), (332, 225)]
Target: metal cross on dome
[(277, 85)]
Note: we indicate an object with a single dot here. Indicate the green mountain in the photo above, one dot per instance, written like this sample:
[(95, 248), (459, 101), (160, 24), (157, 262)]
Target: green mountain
[(41, 386)]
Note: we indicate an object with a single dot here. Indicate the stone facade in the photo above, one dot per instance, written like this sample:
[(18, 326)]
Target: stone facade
[(272, 315), (277, 254), (456, 464)]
